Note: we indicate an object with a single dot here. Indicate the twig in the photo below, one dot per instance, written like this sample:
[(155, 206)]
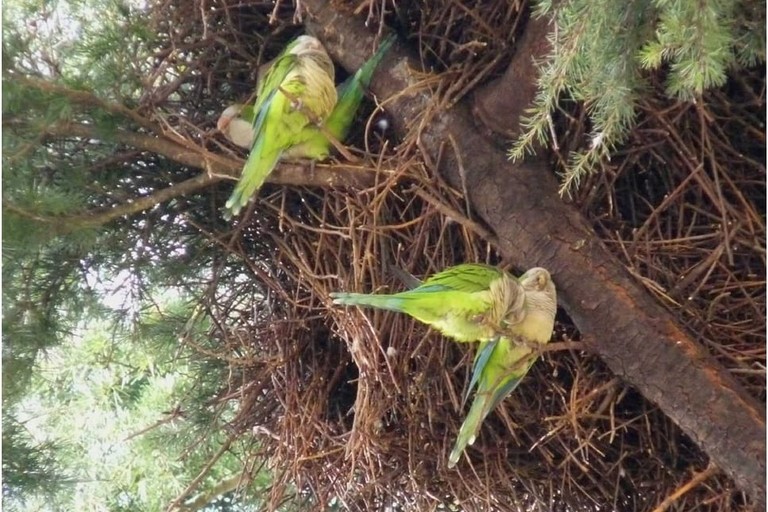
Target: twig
[(691, 484)]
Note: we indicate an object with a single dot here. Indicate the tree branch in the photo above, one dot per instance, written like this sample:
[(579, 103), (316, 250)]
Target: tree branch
[(86, 98), (216, 167)]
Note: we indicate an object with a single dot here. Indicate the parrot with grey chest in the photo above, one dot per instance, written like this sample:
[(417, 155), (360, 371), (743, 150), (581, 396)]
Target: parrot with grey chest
[(474, 302), (298, 91), (236, 122)]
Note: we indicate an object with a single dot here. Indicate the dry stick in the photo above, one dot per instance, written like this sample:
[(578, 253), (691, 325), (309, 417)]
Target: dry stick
[(175, 504), (457, 217), (223, 487), (66, 224), (171, 415), (688, 486), (86, 98), (216, 166), (462, 174)]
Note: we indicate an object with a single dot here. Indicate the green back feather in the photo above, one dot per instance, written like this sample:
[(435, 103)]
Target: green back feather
[(467, 277), (452, 301), (277, 122), (314, 144)]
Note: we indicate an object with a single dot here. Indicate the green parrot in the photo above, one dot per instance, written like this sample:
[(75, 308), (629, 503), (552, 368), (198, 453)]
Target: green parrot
[(474, 302), (298, 91), (501, 363), (236, 122), (468, 302)]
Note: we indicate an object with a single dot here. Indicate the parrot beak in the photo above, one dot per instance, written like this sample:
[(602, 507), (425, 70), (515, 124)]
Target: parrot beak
[(226, 117), (223, 123)]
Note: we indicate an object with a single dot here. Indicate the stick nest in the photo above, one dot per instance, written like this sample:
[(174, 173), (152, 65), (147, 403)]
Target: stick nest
[(360, 408)]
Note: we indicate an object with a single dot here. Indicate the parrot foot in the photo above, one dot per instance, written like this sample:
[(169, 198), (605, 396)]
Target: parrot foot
[(497, 329), (482, 319), (518, 340), (305, 162)]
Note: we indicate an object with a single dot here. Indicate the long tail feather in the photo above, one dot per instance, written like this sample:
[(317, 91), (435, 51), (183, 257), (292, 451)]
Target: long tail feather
[(260, 163), (470, 427), (387, 302), (352, 91)]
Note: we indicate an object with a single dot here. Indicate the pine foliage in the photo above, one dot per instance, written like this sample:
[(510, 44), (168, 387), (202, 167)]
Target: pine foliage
[(602, 53)]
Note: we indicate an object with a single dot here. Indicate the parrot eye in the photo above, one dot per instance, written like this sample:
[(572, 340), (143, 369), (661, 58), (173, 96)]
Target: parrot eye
[(478, 319)]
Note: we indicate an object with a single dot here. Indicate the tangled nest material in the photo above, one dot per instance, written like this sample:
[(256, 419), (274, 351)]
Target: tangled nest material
[(360, 408)]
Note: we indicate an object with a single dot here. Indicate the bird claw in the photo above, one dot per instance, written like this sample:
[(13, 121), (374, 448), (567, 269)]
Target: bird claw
[(497, 329), (518, 340)]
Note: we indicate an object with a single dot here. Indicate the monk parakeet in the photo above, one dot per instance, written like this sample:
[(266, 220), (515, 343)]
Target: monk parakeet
[(468, 302), (298, 91), (500, 364), (236, 122), (473, 302)]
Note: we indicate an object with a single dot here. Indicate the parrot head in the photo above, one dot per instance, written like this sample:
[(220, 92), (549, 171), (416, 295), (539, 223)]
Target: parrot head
[(534, 288), (540, 292), (226, 117), (537, 279), (235, 126)]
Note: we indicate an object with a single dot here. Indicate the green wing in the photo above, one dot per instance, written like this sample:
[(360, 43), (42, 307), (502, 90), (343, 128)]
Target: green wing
[(268, 90), (277, 70), (500, 366), (315, 144), (467, 277), (295, 85), (268, 110), (484, 352)]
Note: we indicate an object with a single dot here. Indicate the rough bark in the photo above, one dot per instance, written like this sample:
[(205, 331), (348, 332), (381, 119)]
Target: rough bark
[(638, 339), (499, 106)]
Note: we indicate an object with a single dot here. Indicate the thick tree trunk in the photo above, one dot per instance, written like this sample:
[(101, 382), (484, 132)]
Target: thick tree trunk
[(500, 104), (635, 336)]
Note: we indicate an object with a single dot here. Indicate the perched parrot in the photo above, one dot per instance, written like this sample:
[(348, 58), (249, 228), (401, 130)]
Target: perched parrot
[(468, 302), (236, 122), (501, 363), (298, 91), (473, 302)]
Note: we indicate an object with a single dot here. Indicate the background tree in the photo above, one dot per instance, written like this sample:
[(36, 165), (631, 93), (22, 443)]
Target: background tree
[(112, 177)]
